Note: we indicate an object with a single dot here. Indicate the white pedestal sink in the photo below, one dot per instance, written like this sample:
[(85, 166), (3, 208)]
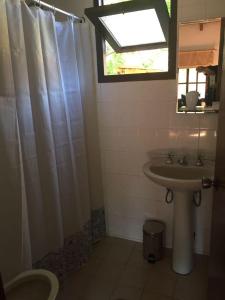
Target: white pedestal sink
[(183, 181)]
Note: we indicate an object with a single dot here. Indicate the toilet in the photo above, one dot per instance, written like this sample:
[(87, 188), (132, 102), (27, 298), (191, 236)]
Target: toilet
[(33, 285)]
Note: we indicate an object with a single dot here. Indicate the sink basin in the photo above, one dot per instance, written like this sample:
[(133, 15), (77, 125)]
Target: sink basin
[(183, 181), (177, 177)]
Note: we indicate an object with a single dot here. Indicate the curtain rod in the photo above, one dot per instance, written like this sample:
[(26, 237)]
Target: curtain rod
[(55, 9)]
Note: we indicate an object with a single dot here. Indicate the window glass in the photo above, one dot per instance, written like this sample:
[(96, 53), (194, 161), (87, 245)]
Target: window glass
[(201, 89), (201, 77), (182, 76), (181, 90), (168, 3), (192, 87), (192, 75), (122, 25), (146, 61), (107, 2)]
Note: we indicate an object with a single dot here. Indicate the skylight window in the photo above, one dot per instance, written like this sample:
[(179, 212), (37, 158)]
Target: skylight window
[(128, 32), (134, 37), (132, 25), (113, 1)]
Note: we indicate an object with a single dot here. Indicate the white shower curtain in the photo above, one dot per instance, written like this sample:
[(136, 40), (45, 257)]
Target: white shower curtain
[(45, 207)]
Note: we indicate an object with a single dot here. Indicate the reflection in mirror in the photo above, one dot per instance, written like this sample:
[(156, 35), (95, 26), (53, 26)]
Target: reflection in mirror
[(199, 66)]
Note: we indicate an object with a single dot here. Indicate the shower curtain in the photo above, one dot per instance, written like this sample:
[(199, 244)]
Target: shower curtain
[(47, 218)]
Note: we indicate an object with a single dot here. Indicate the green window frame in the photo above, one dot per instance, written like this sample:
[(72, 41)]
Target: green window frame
[(168, 22)]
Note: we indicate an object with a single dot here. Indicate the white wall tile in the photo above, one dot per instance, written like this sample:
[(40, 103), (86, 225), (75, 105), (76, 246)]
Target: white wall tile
[(128, 228), (207, 143), (166, 138), (132, 186), (154, 114), (184, 121), (208, 121), (122, 162), (126, 113), (188, 139), (106, 114), (147, 139)]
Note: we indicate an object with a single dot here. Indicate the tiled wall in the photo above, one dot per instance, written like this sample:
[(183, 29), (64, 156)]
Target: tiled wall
[(136, 117)]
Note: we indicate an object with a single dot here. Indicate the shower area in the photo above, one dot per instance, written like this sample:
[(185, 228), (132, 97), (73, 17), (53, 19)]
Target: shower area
[(51, 207)]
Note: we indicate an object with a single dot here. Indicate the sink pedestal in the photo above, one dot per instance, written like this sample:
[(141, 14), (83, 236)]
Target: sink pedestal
[(183, 181), (183, 233)]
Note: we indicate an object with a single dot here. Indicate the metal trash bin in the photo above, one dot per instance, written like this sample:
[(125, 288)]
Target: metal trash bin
[(153, 237)]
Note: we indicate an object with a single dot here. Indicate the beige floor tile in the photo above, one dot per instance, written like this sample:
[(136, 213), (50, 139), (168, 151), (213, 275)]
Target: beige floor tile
[(194, 285), (75, 285), (97, 290), (117, 271), (134, 276), (90, 290), (109, 242), (148, 295), (118, 253), (201, 266), (100, 249), (161, 283), (191, 287), (110, 271), (126, 293), (136, 257), (90, 268), (164, 266)]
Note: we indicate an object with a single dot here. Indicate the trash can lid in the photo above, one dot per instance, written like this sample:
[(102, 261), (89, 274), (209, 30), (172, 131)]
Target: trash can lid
[(153, 227)]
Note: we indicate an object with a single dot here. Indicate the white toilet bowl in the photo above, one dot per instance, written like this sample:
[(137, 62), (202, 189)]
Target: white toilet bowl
[(33, 285)]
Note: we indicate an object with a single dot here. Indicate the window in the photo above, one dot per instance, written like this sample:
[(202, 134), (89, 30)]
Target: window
[(136, 40), (191, 80)]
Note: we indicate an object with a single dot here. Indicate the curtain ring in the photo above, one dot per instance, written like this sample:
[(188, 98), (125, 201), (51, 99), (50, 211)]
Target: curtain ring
[(54, 10), (70, 18)]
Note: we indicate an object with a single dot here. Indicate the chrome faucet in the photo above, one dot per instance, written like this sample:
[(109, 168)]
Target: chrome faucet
[(199, 161), (169, 160), (182, 161)]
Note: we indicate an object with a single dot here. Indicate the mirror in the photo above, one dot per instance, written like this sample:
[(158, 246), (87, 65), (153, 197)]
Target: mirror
[(199, 66)]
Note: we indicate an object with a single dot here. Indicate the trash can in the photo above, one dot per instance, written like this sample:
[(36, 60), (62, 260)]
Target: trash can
[(153, 236)]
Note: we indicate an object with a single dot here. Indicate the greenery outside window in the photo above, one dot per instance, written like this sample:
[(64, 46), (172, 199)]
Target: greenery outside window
[(136, 39)]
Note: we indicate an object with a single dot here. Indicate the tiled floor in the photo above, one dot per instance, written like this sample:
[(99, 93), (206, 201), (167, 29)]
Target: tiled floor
[(117, 271)]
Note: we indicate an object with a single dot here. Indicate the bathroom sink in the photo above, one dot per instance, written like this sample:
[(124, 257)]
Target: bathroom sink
[(183, 181), (175, 177)]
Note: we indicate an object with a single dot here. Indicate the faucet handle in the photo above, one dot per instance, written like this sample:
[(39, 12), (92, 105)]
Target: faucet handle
[(199, 161), (183, 161), (169, 160)]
